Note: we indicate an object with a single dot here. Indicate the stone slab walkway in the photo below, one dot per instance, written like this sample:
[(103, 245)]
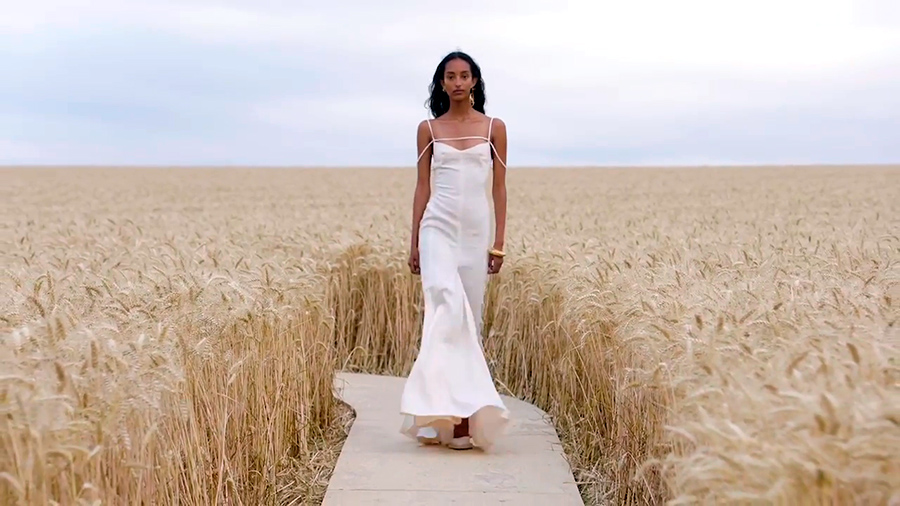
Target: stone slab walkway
[(380, 466)]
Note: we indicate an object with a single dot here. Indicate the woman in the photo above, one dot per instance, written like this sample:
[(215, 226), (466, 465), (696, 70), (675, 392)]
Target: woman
[(449, 397)]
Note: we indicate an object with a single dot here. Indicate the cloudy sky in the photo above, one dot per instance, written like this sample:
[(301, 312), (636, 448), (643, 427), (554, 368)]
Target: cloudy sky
[(343, 82)]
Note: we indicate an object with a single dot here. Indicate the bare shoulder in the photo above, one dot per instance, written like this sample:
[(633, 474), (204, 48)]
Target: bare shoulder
[(499, 126), (423, 131)]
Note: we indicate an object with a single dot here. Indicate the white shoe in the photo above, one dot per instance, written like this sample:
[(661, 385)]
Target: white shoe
[(428, 440), (428, 436), (460, 443)]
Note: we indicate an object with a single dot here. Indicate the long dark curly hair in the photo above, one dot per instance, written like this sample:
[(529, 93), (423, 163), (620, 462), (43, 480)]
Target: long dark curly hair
[(439, 101)]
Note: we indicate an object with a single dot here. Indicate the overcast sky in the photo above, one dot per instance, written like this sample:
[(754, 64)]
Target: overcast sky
[(343, 82)]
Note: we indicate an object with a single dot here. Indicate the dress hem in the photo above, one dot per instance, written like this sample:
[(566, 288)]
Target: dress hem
[(486, 425)]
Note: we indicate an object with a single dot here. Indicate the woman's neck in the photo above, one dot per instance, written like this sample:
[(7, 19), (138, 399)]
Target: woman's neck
[(459, 110)]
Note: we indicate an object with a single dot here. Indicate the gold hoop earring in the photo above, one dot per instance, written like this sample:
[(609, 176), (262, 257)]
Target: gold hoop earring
[(472, 98)]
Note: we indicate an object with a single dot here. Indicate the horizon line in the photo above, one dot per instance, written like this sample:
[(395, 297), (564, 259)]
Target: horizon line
[(388, 167)]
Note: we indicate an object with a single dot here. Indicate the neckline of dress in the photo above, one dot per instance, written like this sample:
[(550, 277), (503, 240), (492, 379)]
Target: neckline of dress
[(462, 150)]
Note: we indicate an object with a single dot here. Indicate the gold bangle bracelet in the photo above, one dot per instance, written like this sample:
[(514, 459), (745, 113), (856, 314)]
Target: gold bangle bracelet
[(497, 253)]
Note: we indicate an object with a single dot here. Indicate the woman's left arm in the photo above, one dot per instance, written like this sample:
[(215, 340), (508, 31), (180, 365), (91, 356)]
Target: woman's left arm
[(498, 137)]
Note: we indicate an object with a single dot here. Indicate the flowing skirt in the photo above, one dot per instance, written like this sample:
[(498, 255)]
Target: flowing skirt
[(450, 379)]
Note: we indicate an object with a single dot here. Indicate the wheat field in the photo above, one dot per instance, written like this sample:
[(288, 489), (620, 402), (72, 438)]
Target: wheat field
[(698, 335)]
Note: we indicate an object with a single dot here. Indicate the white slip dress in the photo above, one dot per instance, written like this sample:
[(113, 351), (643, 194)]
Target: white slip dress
[(450, 379)]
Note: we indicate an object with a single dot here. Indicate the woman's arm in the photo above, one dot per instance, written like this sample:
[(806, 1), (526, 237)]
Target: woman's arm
[(498, 134), (423, 181)]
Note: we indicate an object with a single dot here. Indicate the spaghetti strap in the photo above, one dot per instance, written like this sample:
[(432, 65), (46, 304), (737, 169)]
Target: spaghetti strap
[(497, 157), (461, 138), (491, 142), (429, 142), (435, 140), (425, 149)]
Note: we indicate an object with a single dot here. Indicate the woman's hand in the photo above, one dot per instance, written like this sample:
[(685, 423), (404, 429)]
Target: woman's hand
[(494, 263), (413, 262)]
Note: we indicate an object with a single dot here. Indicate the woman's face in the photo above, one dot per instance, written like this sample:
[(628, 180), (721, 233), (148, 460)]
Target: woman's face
[(458, 81)]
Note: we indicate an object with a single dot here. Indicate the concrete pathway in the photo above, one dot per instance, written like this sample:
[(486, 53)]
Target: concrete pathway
[(380, 466)]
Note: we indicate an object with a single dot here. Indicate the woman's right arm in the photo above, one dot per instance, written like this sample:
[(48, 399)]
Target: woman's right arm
[(423, 180)]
